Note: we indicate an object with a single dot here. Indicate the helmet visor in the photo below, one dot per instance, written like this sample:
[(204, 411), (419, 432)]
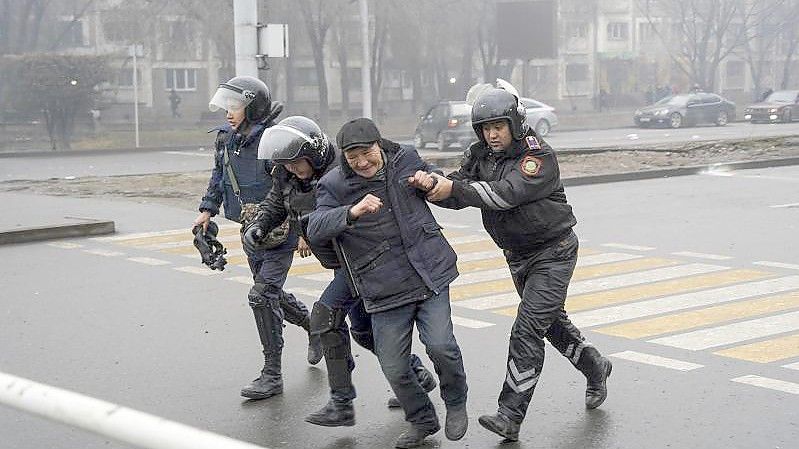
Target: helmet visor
[(282, 143), (229, 99)]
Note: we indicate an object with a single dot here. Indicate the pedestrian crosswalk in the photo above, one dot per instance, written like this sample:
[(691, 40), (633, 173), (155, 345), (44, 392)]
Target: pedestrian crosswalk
[(685, 300)]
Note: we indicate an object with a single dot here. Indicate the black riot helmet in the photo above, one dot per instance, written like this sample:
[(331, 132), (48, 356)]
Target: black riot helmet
[(293, 138), (496, 104), (243, 92)]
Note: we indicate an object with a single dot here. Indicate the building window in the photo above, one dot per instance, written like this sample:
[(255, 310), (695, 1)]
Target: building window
[(576, 72), (125, 77), (72, 32), (646, 32), (617, 31), (579, 30), (181, 79)]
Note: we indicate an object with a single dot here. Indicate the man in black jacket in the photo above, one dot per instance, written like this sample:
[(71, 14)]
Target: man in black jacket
[(302, 154), (513, 177), (401, 267)]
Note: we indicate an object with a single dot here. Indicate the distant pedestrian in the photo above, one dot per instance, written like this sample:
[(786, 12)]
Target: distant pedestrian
[(174, 102), (603, 100)]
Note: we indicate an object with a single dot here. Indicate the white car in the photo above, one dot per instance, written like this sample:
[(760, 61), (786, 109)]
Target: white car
[(540, 116)]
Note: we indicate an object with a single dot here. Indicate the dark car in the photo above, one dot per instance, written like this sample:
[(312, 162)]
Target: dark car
[(446, 123), (681, 110), (780, 106)]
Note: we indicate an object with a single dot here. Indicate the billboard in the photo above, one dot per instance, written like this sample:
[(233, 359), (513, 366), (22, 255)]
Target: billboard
[(527, 29)]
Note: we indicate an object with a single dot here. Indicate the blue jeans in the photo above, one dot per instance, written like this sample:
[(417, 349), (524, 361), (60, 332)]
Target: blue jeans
[(393, 332)]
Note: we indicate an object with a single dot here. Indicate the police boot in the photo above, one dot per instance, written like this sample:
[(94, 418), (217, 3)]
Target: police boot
[(596, 370), (269, 384), (296, 313), (414, 437), (315, 350), (333, 415), (456, 423), (501, 425), (426, 380)]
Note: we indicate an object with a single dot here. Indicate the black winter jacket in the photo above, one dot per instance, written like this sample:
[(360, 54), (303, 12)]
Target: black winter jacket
[(518, 191), (398, 255)]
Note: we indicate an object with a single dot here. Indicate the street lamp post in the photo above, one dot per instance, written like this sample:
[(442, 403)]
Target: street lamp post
[(366, 81), (134, 50)]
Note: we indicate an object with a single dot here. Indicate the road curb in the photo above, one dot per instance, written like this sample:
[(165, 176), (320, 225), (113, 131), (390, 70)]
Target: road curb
[(100, 151), (60, 231), (451, 161)]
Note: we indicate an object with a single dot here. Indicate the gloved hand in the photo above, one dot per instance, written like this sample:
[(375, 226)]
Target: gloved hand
[(253, 237)]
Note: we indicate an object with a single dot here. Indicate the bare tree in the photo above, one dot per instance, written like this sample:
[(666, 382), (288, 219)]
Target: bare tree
[(317, 17), (790, 38), (698, 33)]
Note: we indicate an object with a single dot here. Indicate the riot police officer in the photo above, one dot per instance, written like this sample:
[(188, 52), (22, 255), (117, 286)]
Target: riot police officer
[(239, 181), (513, 177), (303, 154)]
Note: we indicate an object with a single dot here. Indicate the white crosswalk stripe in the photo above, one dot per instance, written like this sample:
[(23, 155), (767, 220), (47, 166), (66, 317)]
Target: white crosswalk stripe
[(655, 360), (732, 333), (771, 384), (149, 261), (641, 277), (685, 301)]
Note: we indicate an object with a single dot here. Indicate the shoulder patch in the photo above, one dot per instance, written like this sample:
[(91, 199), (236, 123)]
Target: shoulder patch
[(531, 165), (532, 143)]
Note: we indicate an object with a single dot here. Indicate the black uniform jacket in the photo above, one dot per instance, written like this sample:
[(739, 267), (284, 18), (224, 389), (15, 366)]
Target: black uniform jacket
[(518, 191), (294, 198)]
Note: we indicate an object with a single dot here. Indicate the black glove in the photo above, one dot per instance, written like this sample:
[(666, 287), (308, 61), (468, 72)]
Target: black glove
[(253, 238)]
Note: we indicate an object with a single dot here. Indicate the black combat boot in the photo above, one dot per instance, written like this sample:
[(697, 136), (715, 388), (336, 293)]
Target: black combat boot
[(269, 384), (414, 437), (596, 370), (426, 380), (333, 415), (501, 425), (315, 350)]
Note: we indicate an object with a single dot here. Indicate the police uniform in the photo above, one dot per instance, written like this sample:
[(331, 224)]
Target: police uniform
[(524, 209)]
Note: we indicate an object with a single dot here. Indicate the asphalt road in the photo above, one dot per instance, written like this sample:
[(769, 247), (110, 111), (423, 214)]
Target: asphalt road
[(128, 163), (690, 285)]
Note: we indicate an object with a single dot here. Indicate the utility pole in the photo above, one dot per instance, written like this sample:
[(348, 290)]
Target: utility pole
[(245, 36), (366, 77)]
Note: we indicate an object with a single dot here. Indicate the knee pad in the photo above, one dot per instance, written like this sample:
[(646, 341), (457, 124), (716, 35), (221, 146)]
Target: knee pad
[(324, 318), (261, 295), (294, 310)]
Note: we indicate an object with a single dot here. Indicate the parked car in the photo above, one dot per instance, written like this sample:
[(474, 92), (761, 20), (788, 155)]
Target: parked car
[(681, 110), (780, 106), (446, 123), (540, 116)]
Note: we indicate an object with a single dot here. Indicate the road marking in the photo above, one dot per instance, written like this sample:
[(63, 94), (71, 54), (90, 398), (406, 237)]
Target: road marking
[(667, 304), (453, 225), (765, 351), (482, 276), (103, 252), (189, 153), (202, 271), (490, 302), (472, 238), (591, 301), (481, 255), (65, 245), (148, 261), (703, 317), (246, 280), (596, 259), (792, 366), (701, 255), (732, 333), (325, 277), (777, 265), (643, 277), (628, 247), (771, 384), (627, 266), (777, 206), (655, 360), (466, 322), (313, 293)]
